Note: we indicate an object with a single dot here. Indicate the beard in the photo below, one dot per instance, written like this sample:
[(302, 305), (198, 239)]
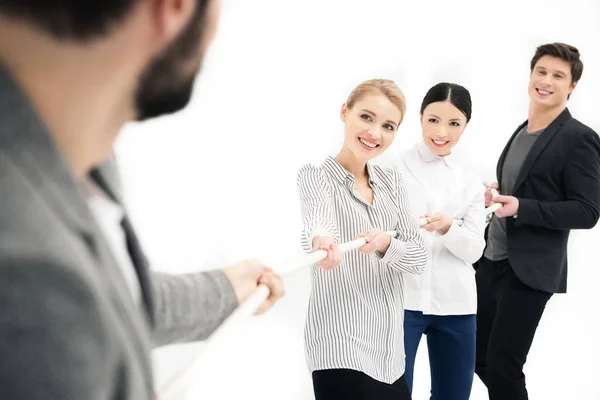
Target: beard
[(162, 92), (166, 85)]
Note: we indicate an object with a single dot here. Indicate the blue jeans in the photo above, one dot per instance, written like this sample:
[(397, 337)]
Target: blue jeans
[(451, 345)]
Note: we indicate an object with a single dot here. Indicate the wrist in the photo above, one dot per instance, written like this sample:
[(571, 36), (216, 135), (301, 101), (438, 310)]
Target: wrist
[(315, 241), (235, 277), (387, 240), (320, 241), (446, 227)]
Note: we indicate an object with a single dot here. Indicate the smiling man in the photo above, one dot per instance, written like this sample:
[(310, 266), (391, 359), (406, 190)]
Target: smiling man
[(549, 180)]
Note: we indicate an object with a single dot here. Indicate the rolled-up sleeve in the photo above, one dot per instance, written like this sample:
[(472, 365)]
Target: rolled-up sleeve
[(407, 252), (318, 215), (467, 242)]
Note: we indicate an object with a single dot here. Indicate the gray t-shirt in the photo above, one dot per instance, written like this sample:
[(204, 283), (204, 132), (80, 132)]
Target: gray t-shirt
[(497, 248)]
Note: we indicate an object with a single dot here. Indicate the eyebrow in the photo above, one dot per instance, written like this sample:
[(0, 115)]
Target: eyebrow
[(558, 71), (453, 119), (373, 114)]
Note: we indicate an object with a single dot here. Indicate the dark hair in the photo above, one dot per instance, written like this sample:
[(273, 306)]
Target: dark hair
[(70, 19), (163, 87), (563, 51), (457, 95)]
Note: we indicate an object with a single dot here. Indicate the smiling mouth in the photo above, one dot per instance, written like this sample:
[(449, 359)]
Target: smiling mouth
[(368, 144), (543, 92), (439, 143)]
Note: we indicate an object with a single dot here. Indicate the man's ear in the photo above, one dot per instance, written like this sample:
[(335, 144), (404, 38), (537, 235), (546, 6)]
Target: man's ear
[(211, 23), (572, 87), (170, 18)]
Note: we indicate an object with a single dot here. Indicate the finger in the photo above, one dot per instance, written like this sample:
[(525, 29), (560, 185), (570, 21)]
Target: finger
[(325, 259), (367, 248), (335, 249), (430, 221), (333, 257), (376, 238), (428, 227), (337, 258), (317, 245), (435, 217), (264, 278), (275, 283), (267, 269), (331, 260), (432, 226), (500, 199), (329, 255), (437, 225), (276, 291)]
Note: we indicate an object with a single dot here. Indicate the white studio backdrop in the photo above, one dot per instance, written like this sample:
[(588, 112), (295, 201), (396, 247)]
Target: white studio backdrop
[(217, 183)]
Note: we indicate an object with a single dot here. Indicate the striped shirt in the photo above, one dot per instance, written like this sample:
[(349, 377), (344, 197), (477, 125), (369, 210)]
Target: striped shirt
[(356, 311)]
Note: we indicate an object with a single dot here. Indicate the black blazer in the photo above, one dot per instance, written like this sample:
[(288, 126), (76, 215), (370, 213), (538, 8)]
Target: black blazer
[(558, 190)]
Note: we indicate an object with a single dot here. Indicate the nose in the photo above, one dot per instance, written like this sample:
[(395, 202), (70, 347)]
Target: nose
[(374, 132), (547, 80), (442, 132)]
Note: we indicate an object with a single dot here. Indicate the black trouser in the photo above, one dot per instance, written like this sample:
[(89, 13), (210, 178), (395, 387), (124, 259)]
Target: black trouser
[(347, 384), (508, 315)]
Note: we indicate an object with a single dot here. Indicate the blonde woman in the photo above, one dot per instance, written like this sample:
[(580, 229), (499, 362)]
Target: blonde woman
[(354, 328)]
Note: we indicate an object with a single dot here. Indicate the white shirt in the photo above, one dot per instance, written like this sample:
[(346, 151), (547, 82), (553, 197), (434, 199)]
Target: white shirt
[(355, 311), (438, 184), (109, 216)]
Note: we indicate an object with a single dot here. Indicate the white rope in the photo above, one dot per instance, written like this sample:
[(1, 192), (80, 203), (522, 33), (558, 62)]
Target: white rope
[(176, 388), (489, 210)]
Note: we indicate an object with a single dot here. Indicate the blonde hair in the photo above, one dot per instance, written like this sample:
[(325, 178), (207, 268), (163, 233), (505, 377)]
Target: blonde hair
[(386, 86)]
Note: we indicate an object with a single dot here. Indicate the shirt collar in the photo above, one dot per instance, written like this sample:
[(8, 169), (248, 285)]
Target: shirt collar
[(98, 197), (341, 174), (429, 156)]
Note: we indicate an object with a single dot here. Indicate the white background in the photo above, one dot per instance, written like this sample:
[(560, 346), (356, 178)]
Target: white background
[(216, 183)]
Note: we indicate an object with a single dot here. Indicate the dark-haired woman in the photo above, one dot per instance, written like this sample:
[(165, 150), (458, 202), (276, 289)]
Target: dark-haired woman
[(442, 302)]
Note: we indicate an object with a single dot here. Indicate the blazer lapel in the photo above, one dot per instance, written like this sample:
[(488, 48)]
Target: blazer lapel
[(29, 144), (106, 177), (539, 146), (26, 140)]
